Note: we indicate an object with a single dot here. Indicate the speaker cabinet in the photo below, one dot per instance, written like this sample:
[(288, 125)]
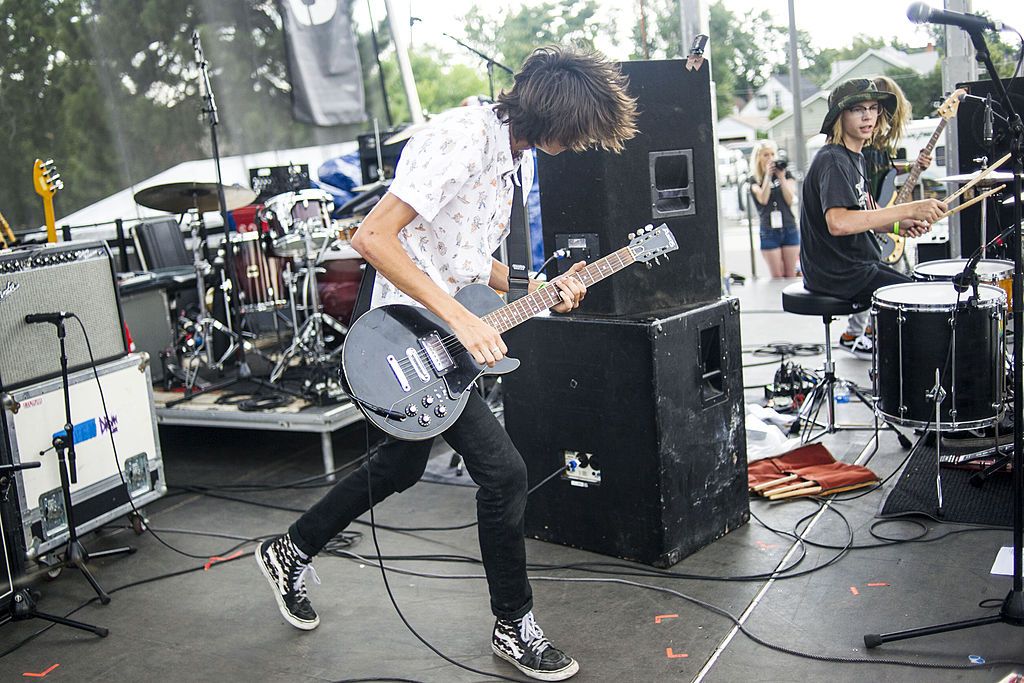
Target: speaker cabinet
[(75, 278), (649, 416), (666, 174), (971, 145), (389, 154)]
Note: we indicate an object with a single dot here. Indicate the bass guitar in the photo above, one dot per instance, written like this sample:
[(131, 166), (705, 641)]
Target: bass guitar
[(46, 182), (894, 245), (411, 376)]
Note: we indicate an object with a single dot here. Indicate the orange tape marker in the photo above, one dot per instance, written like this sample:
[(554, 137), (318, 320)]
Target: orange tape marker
[(215, 559), (877, 585), (664, 617), (673, 655), (853, 589), (42, 674)]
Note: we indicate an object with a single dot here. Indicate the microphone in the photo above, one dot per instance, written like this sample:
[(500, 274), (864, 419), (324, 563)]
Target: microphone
[(921, 13), (54, 318)]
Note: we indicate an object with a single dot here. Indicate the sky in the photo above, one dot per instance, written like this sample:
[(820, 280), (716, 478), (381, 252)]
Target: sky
[(821, 18)]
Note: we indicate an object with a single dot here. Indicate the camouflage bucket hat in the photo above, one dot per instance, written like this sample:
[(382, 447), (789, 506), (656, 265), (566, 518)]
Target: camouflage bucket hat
[(851, 92)]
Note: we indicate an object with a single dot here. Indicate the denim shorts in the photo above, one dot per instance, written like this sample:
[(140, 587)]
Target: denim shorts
[(773, 238)]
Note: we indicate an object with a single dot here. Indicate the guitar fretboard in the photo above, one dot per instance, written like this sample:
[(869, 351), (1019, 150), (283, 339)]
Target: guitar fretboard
[(521, 310)]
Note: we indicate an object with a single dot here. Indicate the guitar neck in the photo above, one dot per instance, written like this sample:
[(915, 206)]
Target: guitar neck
[(915, 172), (521, 310), (51, 228)]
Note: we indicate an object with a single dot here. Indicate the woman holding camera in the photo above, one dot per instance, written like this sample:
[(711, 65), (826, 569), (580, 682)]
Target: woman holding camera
[(773, 189)]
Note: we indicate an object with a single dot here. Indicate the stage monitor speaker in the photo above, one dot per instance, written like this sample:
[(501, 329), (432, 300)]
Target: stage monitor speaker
[(649, 416), (75, 278), (666, 174)]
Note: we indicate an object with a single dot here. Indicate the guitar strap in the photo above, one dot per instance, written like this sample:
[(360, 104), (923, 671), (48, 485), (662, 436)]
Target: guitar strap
[(517, 244)]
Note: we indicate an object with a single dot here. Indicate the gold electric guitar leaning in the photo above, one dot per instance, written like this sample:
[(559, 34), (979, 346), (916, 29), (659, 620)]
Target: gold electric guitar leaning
[(46, 182), (893, 245)]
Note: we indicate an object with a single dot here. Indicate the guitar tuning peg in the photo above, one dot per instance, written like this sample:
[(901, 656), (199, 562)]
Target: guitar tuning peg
[(649, 227), (632, 235), (657, 261), (666, 258), (649, 265)]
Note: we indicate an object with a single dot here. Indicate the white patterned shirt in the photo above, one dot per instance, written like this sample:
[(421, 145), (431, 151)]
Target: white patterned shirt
[(458, 175)]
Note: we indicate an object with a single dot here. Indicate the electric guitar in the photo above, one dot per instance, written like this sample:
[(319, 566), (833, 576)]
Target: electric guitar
[(894, 245), (412, 377), (46, 182)]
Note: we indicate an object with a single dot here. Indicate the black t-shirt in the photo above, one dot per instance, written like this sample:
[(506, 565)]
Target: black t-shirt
[(838, 266), (776, 201)]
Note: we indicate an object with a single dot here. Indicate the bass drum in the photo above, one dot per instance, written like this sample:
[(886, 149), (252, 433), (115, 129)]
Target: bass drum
[(915, 335), (338, 283)]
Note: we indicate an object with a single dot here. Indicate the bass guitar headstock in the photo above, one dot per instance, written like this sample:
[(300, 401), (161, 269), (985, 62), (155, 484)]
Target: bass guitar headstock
[(45, 178)]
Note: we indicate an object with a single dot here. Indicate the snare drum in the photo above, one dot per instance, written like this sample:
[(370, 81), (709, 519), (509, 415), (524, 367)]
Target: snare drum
[(295, 216), (990, 271), (260, 285), (913, 338)]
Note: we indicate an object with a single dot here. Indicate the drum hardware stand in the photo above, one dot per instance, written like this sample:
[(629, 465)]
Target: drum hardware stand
[(824, 392), (937, 395), (308, 339), (75, 554), (1012, 610)]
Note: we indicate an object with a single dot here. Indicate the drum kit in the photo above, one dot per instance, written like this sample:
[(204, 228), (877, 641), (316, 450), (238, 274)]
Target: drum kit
[(940, 359), (278, 269)]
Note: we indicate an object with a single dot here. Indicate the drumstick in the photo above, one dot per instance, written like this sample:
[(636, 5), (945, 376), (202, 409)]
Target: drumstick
[(774, 482), (797, 493), (981, 175), (787, 489), (980, 197)]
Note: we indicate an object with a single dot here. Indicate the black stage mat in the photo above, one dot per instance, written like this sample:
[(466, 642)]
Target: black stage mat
[(914, 493)]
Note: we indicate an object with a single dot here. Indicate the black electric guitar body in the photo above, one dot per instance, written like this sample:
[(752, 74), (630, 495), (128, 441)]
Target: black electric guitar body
[(411, 376)]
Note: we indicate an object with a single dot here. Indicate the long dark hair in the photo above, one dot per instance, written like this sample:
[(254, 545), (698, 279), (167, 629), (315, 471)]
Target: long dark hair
[(572, 97)]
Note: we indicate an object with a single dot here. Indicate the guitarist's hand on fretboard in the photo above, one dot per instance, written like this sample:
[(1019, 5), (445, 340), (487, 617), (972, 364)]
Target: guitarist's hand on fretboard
[(924, 160), (571, 289)]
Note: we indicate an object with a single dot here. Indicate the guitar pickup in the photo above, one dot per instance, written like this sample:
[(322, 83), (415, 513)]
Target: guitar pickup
[(437, 354)]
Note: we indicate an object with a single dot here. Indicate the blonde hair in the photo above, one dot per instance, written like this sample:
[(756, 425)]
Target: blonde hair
[(755, 162), (836, 136), (891, 127)]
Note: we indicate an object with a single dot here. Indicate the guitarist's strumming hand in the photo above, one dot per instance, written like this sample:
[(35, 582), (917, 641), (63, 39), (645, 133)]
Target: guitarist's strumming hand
[(570, 288), (481, 340)]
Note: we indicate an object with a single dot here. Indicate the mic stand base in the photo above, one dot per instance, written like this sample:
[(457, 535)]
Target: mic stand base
[(23, 607)]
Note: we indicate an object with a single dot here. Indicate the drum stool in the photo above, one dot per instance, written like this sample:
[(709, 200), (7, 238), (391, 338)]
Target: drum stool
[(796, 299)]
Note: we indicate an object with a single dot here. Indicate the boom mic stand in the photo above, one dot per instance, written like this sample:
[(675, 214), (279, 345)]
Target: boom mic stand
[(490, 61), (1012, 609)]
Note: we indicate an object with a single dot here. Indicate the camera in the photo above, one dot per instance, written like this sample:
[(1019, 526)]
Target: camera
[(781, 162)]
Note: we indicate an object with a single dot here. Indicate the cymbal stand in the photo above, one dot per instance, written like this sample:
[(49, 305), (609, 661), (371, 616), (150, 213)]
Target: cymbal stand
[(309, 341)]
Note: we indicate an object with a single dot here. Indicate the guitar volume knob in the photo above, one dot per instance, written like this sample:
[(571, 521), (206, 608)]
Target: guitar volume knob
[(428, 401), (410, 410), (424, 420), (440, 411)]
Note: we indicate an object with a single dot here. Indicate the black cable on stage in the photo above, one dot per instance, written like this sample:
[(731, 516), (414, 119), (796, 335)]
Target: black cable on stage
[(113, 445)]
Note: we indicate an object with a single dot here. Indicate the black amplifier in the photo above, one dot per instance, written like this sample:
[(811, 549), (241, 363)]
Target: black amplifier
[(73, 277), (647, 414)]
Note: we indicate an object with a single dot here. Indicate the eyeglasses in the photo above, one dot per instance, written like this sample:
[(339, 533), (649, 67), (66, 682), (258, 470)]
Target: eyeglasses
[(860, 110)]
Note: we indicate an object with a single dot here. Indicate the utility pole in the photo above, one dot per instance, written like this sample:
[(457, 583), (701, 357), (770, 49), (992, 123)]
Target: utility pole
[(958, 66), (799, 142), (404, 67)]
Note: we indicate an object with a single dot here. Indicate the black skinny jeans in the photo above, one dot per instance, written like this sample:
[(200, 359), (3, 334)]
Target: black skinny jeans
[(884, 276), (494, 464)]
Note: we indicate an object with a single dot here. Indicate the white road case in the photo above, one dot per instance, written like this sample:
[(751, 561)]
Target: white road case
[(35, 413)]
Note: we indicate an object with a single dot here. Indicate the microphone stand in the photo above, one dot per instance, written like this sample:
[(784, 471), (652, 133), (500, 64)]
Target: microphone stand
[(1012, 609), (491, 63)]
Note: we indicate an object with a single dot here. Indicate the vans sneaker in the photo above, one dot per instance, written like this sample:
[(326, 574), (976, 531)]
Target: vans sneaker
[(286, 569), (860, 346), (522, 643)]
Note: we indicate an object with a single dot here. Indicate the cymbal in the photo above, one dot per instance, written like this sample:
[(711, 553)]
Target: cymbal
[(370, 187), (994, 178), (182, 197), (1007, 202)]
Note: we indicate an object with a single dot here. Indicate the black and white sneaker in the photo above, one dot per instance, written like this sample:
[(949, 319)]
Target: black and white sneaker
[(522, 643), (286, 570)]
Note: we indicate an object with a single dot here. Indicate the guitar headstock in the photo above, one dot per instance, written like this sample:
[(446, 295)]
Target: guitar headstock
[(948, 109), (648, 243), (45, 178)]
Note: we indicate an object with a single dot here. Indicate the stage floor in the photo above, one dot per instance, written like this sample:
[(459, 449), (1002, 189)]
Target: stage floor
[(221, 623)]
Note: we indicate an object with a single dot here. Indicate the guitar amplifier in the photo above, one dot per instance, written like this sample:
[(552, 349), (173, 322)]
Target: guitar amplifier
[(647, 414), (76, 278), (35, 413)]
